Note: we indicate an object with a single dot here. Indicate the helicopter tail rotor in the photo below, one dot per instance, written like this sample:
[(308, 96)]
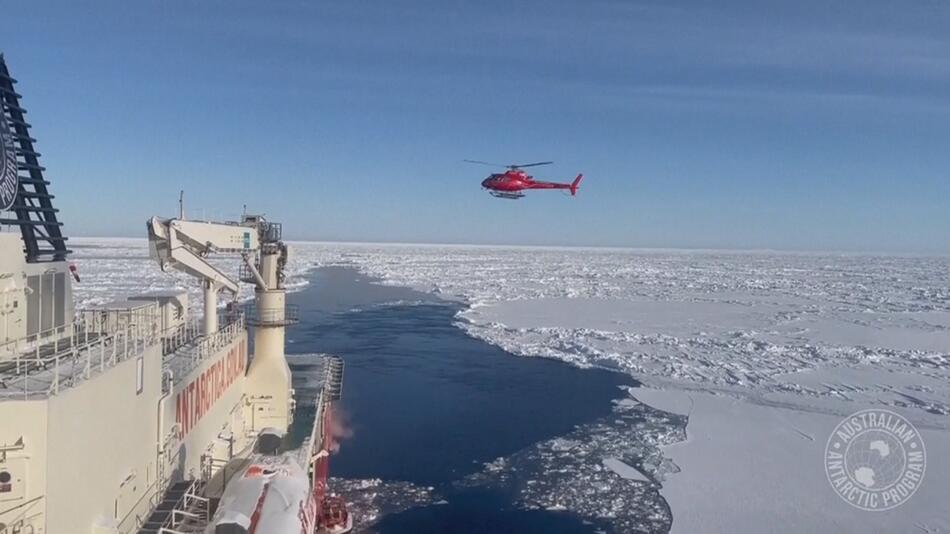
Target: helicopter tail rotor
[(575, 184)]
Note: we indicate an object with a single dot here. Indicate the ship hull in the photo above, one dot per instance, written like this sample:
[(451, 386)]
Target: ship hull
[(121, 437)]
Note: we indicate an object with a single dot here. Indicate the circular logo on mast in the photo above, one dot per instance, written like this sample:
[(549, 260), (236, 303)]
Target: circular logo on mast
[(8, 167)]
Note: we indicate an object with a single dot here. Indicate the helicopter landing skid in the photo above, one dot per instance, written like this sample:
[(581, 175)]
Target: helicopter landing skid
[(510, 196)]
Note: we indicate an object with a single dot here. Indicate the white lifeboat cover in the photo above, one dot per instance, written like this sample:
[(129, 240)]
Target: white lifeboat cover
[(271, 496)]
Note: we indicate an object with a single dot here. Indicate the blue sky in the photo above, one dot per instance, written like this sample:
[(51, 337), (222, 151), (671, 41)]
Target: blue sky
[(790, 125)]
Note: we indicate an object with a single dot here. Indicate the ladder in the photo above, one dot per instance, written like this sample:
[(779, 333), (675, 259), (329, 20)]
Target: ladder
[(32, 208)]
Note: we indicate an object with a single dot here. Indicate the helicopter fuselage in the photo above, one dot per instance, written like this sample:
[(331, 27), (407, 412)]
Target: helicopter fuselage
[(516, 180)]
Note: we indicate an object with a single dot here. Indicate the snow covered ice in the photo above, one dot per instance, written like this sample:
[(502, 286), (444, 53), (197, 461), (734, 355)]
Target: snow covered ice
[(114, 268), (763, 352)]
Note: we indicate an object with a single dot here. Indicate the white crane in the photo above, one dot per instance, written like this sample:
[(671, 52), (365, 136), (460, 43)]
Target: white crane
[(185, 245)]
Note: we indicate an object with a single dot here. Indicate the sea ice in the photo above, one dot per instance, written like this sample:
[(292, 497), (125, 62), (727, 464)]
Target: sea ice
[(764, 351), (623, 470), (748, 467)]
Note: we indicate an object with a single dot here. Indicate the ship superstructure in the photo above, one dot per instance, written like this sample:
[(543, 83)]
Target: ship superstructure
[(124, 418)]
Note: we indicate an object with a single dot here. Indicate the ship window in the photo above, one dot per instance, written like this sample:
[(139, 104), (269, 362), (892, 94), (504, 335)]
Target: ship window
[(5, 477), (139, 375)]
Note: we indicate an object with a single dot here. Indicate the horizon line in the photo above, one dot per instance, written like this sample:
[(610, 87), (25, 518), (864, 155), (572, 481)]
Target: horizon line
[(617, 248)]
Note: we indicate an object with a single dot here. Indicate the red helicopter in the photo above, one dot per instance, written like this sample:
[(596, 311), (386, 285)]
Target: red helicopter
[(511, 183)]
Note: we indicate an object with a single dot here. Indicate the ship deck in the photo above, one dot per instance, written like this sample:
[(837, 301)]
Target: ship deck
[(45, 368), (62, 359), (314, 372)]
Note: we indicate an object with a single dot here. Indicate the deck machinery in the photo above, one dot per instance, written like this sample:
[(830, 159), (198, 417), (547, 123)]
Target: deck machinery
[(130, 417)]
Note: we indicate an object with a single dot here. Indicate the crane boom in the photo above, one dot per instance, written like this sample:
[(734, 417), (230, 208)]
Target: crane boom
[(184, 245)]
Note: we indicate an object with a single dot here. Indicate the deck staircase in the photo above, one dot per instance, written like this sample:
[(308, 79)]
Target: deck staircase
[(182, 511)]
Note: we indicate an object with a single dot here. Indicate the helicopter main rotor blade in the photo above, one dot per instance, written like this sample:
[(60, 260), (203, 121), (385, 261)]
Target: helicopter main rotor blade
[(485, 163), (530, 165)]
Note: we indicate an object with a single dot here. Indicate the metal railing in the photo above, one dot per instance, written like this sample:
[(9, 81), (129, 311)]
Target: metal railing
[(286, 316), (210, 465), (246, 275), (179, 336), (191, 511), (24, 344), (25, 514), (192, 346), (135, 518), (333, 380), (270, 232), (185, 334), (209, 344), (154, 494), (42, 369)]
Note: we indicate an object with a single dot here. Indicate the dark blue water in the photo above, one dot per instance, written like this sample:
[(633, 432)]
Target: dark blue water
[(429, 405)]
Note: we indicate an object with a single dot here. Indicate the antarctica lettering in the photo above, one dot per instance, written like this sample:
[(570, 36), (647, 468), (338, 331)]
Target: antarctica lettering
[(193, 401), (875, 460)]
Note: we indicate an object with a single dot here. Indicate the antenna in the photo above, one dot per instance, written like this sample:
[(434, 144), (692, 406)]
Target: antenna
[(181, 205)]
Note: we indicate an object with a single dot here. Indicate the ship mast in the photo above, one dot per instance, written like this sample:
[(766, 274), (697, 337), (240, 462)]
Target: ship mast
[(32, 205)]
